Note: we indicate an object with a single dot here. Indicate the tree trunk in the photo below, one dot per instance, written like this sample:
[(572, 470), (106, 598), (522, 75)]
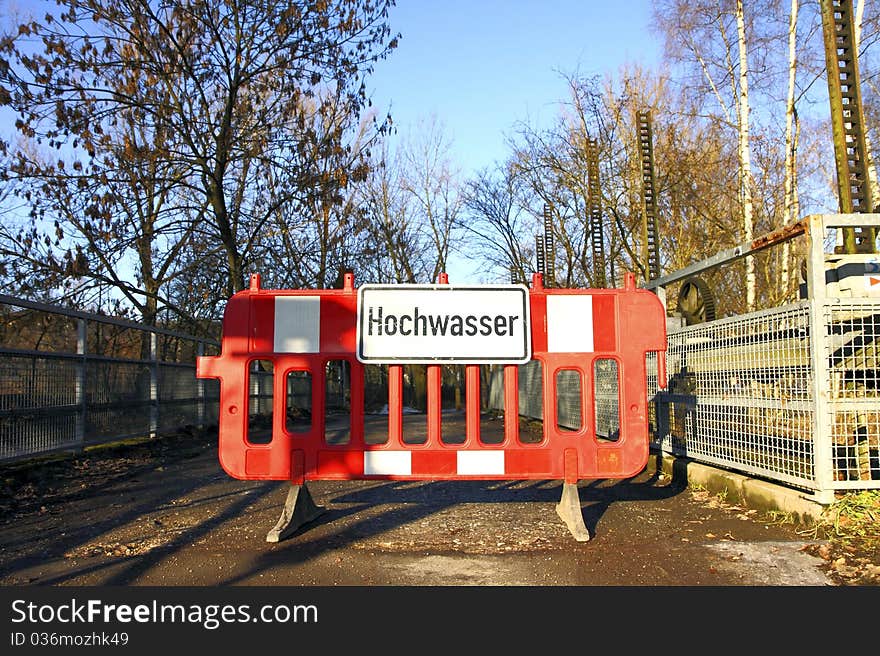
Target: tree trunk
[(745, 153), (790, 152), (235, 274)]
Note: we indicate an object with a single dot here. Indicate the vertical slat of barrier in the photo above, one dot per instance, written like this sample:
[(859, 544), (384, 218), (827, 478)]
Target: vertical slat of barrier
[(435, 404), (395, 405), (472, 404), (279, 403), (356, 411), (318, 367), (435, 399), (511, 403)]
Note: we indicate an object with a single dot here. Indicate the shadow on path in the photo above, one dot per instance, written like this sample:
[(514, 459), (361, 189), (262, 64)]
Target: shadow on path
[(412, 501)]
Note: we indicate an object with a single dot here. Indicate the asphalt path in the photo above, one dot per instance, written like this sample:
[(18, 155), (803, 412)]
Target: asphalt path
[(168, 515)]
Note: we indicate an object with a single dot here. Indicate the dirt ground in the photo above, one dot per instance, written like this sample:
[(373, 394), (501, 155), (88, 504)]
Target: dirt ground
[(164, 513)]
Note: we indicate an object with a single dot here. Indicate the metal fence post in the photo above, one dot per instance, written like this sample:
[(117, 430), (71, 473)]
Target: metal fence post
[(822, 404), (154, 384), (200, 388), (661, 294), (80, 384)]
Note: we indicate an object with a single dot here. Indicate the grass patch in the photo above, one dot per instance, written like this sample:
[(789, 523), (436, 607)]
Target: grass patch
[(853, 520)]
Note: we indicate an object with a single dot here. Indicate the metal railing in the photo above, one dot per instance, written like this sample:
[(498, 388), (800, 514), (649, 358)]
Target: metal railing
[(71, 379), (740, 394), (792, 393)]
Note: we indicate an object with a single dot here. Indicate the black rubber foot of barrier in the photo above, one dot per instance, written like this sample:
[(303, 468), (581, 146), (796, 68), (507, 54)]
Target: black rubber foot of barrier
[(299, 509), (569, 509)]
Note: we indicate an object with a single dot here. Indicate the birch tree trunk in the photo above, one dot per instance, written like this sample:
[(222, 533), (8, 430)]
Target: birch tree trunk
[(790, 152), (745, 153)]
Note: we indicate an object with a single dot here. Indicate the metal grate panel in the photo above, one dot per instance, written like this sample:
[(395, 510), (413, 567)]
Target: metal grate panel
[(851, 351), (740, 394)]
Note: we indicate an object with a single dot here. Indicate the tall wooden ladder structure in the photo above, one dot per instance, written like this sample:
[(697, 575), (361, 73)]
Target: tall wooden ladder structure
[(650, 245), (549, 248), (540, 260), (847, 120), (597, 237)]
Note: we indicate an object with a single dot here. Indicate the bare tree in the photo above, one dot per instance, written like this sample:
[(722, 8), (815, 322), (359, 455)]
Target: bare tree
[(552, 166), (226, 93), (732, 58), (394, 248), (744, 149), (431, 180), (497, 228), (320, 233), (711, 37), (599, 119), (790, 211), (411, 204)]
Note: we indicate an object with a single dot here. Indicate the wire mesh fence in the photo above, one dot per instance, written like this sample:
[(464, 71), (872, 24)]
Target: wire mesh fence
[(853, 386), (740, 394), (70, 379), (759, 393)]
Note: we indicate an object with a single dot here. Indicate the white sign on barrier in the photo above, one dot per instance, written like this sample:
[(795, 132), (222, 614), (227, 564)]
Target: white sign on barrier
[(429, 324)]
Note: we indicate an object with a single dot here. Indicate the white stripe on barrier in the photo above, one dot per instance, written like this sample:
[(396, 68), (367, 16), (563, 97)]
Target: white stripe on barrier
[(480, 463), (387, 463), (570, 324), (297, 324)]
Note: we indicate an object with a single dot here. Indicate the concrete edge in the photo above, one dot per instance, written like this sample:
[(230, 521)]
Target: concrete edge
[(740, 489)]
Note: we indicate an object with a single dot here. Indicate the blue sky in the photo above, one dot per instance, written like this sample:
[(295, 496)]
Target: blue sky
[(482, 65)]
